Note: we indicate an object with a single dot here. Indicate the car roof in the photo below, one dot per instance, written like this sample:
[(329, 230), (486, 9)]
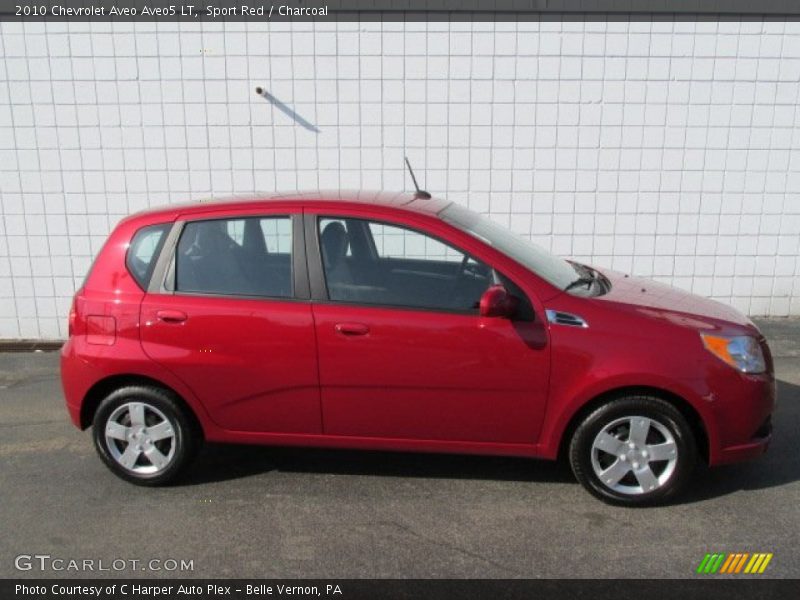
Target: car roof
[(402, 201)]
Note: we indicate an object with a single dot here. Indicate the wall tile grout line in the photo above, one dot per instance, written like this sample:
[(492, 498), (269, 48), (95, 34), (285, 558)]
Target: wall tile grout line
[(667, 149)]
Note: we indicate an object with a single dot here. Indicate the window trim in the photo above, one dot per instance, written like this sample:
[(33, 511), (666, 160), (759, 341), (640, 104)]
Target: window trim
[(319, 287), (166, 228), (163, 279)]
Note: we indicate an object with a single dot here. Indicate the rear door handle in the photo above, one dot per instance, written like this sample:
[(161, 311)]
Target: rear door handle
[(351, 328), (171, 316)]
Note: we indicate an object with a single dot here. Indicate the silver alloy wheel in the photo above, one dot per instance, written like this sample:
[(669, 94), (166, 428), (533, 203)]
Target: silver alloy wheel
[(140, 438), (634, 455)]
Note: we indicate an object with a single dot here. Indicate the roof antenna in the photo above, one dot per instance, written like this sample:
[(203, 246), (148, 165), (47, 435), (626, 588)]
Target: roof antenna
[(422, 194)]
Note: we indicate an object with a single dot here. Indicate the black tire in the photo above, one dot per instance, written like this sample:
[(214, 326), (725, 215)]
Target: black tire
[(585, 460), (180, 448)]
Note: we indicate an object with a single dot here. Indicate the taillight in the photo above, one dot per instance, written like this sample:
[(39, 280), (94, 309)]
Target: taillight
[(75, 324), (73, 315)]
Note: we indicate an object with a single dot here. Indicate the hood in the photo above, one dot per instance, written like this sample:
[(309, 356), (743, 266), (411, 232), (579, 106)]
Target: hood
[(661, 301)]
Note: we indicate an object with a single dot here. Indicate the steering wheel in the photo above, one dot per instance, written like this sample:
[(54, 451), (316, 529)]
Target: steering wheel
[(464, 270)]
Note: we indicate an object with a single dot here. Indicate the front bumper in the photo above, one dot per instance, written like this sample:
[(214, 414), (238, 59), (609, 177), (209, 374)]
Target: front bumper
[(752, 449), (742, 407)]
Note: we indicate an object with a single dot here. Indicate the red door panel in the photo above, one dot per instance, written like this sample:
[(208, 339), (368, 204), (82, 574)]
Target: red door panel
[(251, 362), (430, 375)]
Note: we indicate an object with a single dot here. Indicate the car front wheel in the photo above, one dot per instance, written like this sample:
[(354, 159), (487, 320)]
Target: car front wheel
[(635, 450), (144, 435)]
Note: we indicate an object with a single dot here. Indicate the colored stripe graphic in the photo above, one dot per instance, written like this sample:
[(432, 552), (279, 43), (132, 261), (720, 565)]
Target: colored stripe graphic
[(701, 567), (740, 565), (764, 564), (727, 564), (757, 564), (718, 564), (735, 562), (752, 563)]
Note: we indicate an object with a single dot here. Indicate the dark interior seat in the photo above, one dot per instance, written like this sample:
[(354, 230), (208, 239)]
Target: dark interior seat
[(210, 263), (335, 241)]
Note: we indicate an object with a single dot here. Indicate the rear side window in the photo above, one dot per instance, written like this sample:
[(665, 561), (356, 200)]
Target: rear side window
[(236, 257), (143, 252)]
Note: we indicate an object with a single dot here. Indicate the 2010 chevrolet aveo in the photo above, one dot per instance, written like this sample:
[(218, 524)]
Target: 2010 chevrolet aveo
[(401, 322)]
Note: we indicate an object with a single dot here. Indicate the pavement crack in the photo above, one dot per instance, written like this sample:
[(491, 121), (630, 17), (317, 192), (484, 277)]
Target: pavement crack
[(31, 423), (10, 383), (443, 544)]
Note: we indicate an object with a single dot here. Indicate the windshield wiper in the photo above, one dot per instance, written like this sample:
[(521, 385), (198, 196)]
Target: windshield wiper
[(587, 281), (586, 277)]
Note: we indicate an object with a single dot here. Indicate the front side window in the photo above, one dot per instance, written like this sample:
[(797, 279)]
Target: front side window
[(371, 262), (144, 250), (236, 257)]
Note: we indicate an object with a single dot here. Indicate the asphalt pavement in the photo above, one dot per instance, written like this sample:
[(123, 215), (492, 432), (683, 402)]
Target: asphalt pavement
[(280, 513)]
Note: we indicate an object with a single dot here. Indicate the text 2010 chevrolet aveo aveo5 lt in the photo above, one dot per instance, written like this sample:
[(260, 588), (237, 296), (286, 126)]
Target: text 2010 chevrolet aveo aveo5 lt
[(399, 322)]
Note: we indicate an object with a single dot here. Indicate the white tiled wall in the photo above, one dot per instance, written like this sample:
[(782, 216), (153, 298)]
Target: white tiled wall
[(664, 149)]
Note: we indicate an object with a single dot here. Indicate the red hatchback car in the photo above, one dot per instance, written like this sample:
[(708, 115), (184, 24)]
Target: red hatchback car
[(401, 322)]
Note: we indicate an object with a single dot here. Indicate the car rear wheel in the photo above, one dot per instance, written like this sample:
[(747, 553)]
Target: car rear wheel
[(632, 451), (144, 435)]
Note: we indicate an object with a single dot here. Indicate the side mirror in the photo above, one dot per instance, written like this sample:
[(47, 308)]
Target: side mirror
[(497, 302)]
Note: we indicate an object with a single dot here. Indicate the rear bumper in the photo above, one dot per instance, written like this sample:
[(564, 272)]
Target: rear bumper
[(74, 381), (75, 415)]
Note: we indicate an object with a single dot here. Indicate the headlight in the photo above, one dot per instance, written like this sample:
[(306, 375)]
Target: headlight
[(742, 352)]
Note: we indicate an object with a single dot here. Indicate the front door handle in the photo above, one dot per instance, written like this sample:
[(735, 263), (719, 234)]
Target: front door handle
[(171, 316), (351, 328)]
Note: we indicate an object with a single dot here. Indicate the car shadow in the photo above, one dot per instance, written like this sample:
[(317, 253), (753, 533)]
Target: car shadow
[(220, 462), (780, 466)]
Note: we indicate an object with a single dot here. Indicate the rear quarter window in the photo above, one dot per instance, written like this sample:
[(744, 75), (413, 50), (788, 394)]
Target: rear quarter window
[(144, 250)]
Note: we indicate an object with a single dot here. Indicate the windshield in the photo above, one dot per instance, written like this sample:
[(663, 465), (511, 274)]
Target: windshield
[(555, 270)]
